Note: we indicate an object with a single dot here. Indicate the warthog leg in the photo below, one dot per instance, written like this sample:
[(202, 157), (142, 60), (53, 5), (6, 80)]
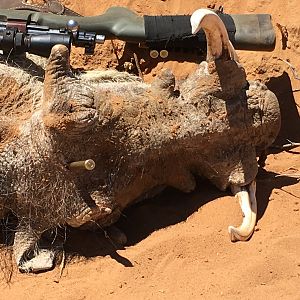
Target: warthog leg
[(247, 199), (28, 256)]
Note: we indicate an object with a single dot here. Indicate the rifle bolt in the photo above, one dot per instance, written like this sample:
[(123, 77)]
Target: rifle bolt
[(72, 25)]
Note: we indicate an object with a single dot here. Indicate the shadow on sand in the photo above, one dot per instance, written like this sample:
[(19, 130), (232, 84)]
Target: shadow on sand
[(168, 208)]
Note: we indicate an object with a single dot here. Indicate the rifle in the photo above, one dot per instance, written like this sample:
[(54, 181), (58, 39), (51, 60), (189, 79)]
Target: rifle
[(36, 32)]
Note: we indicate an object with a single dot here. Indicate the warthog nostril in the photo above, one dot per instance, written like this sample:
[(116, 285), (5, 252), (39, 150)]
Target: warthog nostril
[(88, 164)]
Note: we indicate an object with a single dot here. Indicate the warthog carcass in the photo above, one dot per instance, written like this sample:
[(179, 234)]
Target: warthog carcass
[(140, 136)]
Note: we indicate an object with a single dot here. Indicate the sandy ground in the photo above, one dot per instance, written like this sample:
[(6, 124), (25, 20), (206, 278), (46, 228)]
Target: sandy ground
[(178, 244)]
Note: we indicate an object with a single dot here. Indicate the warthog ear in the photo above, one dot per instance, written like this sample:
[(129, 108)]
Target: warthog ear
[(68, 104)]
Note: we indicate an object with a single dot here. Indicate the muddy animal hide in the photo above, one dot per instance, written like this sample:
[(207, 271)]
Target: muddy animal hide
[(140, 136)]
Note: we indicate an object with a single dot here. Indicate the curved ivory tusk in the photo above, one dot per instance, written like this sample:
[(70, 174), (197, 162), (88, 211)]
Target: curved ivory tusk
[(248, 205), (215, 32)]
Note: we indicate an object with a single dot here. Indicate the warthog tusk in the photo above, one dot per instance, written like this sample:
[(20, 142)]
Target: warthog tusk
[(215, 32), (88, 164), (248, 205)]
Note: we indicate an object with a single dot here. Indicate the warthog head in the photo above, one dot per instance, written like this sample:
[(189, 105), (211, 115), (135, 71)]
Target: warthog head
[(140, 137)]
